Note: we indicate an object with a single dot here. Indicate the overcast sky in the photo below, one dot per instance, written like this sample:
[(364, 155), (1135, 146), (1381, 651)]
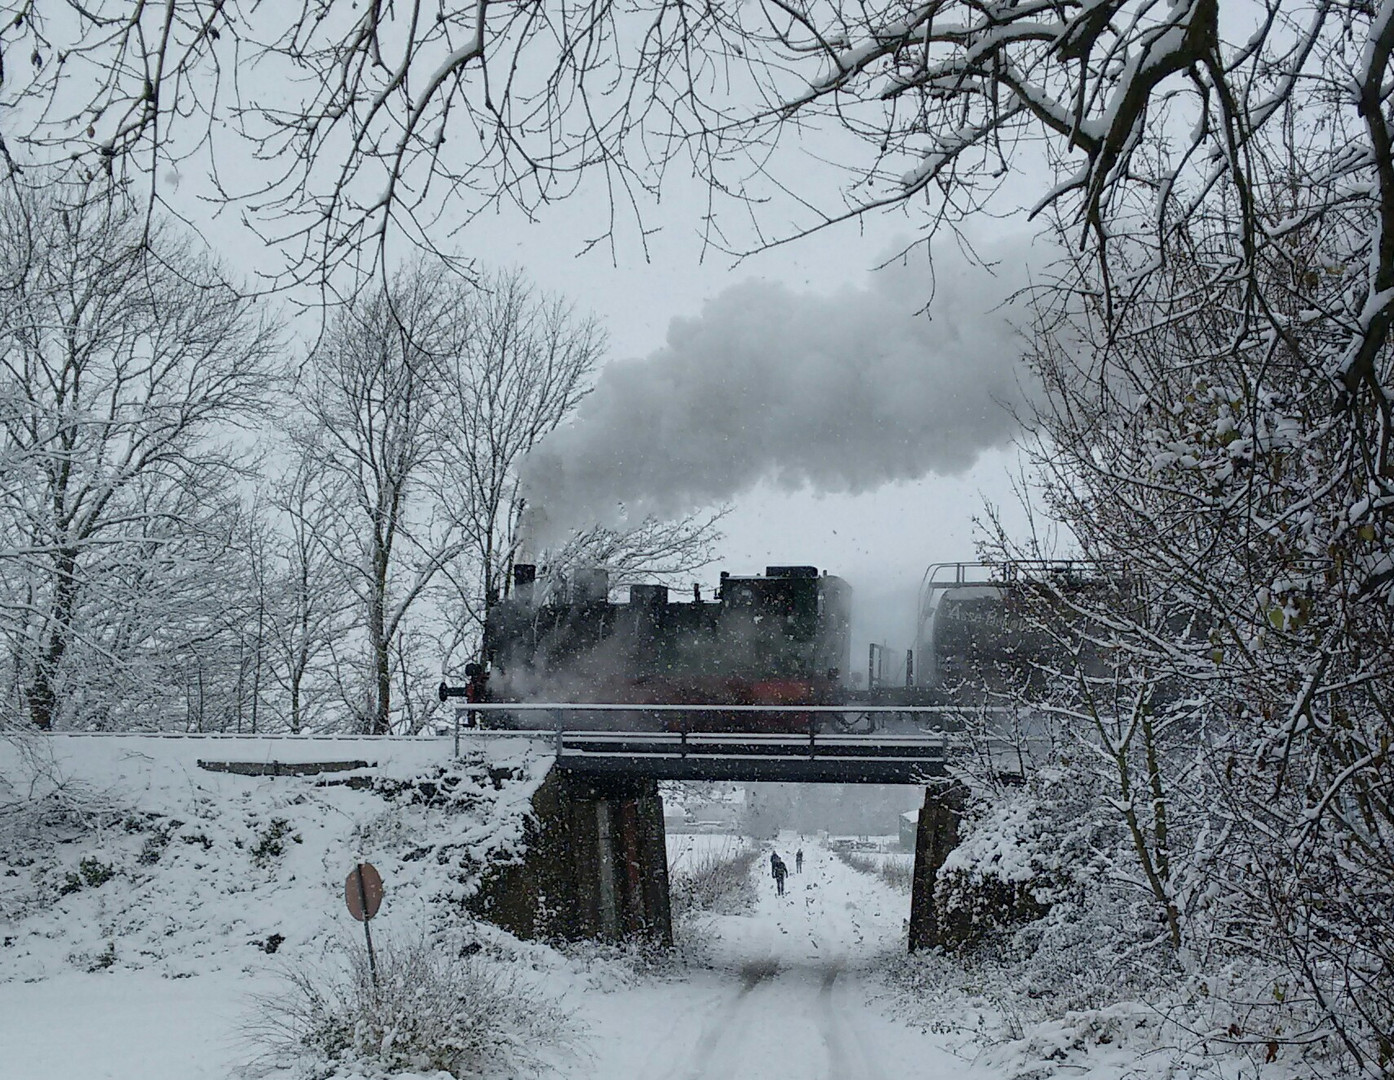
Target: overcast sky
[(880, 538)]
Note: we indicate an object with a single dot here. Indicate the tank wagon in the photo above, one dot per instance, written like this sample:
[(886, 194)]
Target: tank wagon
[(983, 632)]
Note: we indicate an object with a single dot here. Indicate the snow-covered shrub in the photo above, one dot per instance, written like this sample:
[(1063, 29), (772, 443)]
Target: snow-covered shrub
[(91, 873), (1042, 884), (717, 881), (435, 1006), (270, 842), (897, 873), (1002, 872)]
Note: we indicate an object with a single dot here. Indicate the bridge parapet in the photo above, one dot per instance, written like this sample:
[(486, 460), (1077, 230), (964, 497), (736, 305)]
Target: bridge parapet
[(905, 744)]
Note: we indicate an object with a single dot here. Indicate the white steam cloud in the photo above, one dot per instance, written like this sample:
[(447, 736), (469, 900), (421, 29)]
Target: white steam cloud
[(841, 393)]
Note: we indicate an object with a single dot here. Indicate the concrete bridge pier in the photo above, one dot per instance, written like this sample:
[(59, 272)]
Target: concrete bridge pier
[(595, 865), (936, 836)]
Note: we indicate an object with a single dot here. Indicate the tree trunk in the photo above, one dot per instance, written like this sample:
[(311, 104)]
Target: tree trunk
[(380, 720), (43, 693)]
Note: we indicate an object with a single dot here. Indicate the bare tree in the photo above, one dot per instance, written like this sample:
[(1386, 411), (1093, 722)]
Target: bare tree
[(426, 108), (525, 363), (1144, 111), (169, 614), (1249, 717), (423, 399), (418, 105), (373, 438), (651, 551), (125, 355), (307, 608)]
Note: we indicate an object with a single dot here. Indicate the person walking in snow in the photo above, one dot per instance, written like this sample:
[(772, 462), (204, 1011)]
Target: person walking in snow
[(779, 870), (798, 861)]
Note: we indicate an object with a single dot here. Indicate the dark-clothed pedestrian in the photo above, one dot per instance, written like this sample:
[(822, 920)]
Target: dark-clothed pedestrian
[(779, 870), (798, 861)]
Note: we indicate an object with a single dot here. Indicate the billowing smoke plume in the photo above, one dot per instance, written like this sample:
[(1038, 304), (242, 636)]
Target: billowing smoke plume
[(842, 393)]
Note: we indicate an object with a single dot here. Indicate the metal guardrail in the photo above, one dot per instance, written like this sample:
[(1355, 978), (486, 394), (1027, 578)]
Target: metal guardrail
[(682, 744), (282, 736), (586, 706), (682, 740), (577, 746)]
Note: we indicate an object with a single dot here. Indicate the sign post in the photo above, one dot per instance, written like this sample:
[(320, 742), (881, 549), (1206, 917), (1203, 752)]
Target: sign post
[(363, 894)]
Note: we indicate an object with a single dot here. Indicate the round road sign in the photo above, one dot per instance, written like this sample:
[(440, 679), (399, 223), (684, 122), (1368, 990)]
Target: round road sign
[(363, 891)]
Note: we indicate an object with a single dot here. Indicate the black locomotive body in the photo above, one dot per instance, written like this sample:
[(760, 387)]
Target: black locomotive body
[(781, 638)]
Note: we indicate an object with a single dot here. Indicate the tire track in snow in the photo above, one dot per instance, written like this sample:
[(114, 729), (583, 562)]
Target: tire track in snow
[(827, 1027), (725, 1024), (790, 1003), (662, 1047), (834, 1027)]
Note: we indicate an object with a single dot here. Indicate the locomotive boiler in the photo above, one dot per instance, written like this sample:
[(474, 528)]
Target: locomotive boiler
[(781, 638)]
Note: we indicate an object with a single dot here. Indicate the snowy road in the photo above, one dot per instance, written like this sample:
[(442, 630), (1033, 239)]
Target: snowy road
[(788, 994)]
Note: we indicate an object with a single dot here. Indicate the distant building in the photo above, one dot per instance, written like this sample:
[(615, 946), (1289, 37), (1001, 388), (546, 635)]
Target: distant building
[(909, 826)]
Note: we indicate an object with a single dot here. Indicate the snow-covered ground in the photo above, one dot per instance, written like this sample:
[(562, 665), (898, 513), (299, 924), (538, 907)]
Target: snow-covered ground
[(127, 1025), (788, 990), (686, 850), (146, 902), (126, 853)]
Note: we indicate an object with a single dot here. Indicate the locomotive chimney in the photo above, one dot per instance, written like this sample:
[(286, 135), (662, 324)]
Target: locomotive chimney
[(532, 522), (524, 581)]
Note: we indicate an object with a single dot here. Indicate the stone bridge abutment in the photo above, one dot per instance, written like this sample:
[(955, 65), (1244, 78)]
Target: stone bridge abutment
[(596, 864)]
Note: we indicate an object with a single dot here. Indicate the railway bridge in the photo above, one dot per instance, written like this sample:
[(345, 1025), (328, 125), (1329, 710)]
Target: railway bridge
[(596, 863)]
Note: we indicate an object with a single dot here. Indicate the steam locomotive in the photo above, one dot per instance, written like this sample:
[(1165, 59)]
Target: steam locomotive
[(781, 638), (777, 639)]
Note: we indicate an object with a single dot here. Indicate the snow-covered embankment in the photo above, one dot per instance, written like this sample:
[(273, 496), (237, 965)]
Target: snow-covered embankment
[(127, 869)]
